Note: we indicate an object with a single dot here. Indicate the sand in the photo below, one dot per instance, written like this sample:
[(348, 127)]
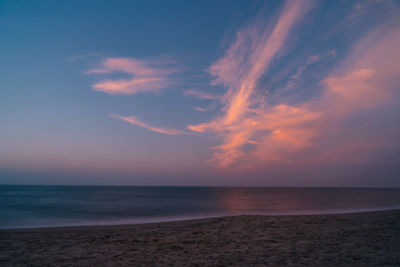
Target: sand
[(362, 239)]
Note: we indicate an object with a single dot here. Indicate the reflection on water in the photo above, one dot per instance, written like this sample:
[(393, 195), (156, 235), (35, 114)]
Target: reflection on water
[(25, 206), (307, 200), (253, 200)]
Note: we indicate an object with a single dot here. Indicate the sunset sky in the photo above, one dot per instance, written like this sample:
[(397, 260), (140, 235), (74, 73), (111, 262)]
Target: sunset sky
[(291, 93)]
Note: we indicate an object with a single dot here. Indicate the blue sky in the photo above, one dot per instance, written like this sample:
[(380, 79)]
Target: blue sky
[(200, 92)]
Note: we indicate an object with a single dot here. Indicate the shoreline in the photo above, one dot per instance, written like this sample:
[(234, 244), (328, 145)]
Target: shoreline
[(149, 221), (356, 239)]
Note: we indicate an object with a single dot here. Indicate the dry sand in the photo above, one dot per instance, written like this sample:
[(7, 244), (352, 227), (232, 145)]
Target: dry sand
[(363, 239)]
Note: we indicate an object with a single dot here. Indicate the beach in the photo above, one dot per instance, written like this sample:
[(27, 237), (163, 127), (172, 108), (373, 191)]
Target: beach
[(358, 239)]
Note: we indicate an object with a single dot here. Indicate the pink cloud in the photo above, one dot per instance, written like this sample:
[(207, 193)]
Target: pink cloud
[(254, 132), (147, 75), (240, 70), (132, 120)]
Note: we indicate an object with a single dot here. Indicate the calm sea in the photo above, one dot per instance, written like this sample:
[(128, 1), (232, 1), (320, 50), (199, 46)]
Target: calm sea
[(41, 206)]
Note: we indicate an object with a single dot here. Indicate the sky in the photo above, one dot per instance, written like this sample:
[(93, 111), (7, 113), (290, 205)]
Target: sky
[(240, 93)]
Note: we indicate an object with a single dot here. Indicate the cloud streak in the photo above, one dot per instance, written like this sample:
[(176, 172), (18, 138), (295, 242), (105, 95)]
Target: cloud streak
[(146, 75), (254, 132), (201, 95), (132, 120), (240, 70)]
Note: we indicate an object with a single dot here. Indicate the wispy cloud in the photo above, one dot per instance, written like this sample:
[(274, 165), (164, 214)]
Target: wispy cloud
[(362, 8), (132, 120), (297, 78), (146, 75), (254, 132), (201, 95), (205, 109), (240, 70)]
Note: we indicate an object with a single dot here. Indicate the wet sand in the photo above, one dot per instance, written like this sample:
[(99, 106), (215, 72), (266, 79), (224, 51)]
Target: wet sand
[(360, 239)]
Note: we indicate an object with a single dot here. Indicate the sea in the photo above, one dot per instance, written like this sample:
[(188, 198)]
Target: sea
[(27, 206)]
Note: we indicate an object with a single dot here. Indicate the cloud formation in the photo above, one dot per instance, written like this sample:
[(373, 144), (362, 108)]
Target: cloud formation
[(240, 70), (146, 75), (132, 120), (255, 132)]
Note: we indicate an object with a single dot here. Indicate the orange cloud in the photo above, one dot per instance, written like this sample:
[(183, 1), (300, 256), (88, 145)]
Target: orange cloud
[(270, 134), (254, 132), (147, 75), (132, 120), (240, 70), (251, 55)]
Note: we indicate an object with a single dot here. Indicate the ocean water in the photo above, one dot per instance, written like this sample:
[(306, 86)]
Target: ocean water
[(43, 206)]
